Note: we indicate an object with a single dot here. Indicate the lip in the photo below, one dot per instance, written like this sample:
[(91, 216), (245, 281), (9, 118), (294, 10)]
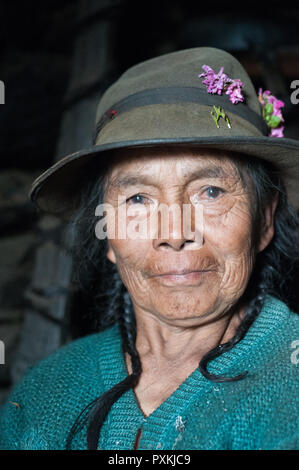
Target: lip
[(187, 277), (181, 272)]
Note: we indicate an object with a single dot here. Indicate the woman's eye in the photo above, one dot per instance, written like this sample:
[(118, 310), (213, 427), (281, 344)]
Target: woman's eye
[(137, 199), (213, 192)]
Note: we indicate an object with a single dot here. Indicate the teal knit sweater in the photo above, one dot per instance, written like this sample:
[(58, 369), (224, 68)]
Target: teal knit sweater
[(257, 412)]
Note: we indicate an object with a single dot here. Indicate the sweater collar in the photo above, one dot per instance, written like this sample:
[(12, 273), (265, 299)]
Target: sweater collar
[(258, 341)]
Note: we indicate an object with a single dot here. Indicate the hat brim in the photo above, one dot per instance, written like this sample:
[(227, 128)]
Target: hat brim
[(56, 190)]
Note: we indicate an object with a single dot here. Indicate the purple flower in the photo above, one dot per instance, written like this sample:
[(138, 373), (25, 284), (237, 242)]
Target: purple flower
[(215, 82), (220, 82), (277, 131), (277, 104), (234, 91), (271, 110)]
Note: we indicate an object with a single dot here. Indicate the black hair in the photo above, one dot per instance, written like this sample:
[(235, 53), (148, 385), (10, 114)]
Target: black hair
[(109, 301)]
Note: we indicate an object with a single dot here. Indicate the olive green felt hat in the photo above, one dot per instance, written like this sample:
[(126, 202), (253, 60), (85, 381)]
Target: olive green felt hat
[(163, 101)]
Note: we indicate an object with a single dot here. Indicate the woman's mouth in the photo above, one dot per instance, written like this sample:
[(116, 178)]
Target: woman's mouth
[(185, 278)]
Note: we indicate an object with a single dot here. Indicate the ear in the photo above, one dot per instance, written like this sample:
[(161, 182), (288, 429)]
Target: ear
[(267, 228), (110, 254)]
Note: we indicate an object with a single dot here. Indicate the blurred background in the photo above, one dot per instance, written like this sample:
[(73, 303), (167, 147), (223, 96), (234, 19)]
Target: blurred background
[(57, 58)]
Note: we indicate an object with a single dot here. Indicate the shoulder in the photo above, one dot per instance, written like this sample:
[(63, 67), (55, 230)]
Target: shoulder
[(53, 392), (267, 398), (273, 356), (76, 358), (285, 333)]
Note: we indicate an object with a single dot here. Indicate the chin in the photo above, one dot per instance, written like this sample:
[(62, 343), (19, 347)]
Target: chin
[(178, 307)]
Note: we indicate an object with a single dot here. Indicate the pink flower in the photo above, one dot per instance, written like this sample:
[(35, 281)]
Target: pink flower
[(215, 82), (271, 110), (277, 104), (220, 82), (277, 131), (234, 90)]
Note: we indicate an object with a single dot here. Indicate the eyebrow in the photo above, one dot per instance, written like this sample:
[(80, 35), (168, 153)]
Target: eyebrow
[(146, 180)]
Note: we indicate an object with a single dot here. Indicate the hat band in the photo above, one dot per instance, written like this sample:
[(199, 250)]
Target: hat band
[(179, 95)]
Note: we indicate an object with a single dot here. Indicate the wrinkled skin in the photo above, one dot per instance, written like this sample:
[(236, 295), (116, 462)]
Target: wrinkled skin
[(178, 323)]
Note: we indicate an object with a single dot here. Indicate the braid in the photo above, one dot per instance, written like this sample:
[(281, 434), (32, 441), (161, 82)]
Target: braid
[(127, 324), (98, 409), (103, 404), (112, 297), (254, 308)]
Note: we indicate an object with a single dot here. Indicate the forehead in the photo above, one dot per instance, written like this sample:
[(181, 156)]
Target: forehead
[(133, 166)]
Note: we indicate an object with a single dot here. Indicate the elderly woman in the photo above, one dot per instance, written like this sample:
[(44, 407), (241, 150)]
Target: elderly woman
[(193, 343)]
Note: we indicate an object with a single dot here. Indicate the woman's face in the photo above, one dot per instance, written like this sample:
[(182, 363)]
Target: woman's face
[(218, 256)]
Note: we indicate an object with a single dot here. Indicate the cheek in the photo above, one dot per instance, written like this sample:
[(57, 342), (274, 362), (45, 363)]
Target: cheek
[(229, 237), (130, 250), (229, 233), (129, 256)]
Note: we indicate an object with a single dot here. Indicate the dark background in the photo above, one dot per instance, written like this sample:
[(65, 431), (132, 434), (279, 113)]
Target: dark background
[(57, 58)]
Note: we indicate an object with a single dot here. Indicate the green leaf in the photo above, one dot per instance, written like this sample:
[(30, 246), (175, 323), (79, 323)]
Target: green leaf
[(228, 122), (274, 121), (268, 108), (215, 118)]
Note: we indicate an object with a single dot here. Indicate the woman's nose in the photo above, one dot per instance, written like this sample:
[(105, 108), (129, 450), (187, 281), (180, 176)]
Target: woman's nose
[(171, 243), (176, 230)]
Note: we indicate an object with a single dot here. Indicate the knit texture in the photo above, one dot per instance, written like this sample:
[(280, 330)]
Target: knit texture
[(257, 412)]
